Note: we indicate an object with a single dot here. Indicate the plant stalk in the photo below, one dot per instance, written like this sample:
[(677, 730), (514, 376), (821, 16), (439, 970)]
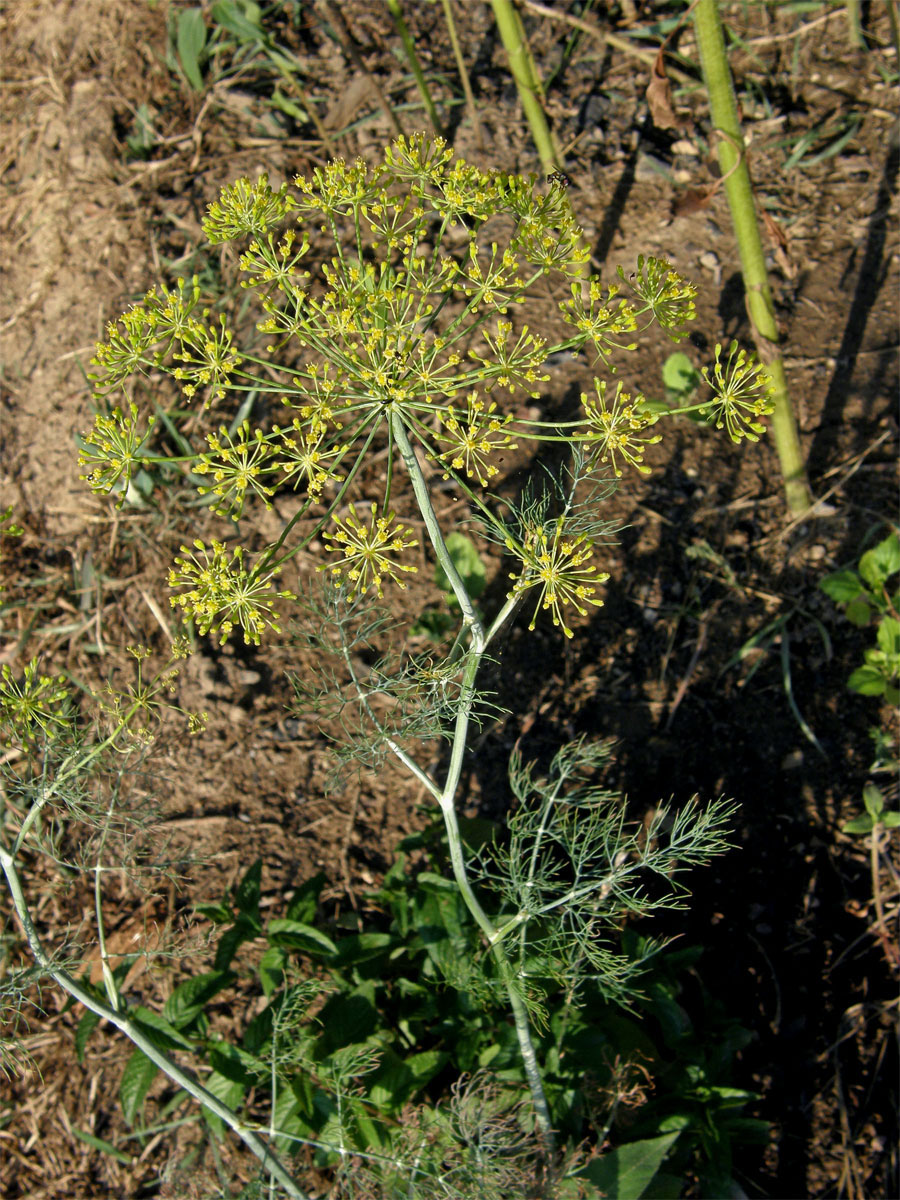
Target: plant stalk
[(454, 770), (409, 48), (125, 1025), (739, 190), (524, 72)]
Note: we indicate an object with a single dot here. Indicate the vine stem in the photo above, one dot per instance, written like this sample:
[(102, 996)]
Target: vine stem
[(473, 660), (125, 1025)]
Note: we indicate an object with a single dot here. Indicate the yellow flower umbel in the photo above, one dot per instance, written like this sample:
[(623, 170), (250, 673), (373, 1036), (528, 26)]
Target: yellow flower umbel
[(223, 593), (114, 450), (367, 550), (237, 466), (744, 390), (472, 439), (561, 567), (614, 431)]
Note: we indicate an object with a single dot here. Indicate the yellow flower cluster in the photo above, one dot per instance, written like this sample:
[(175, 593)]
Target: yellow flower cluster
[(367, 551), (561, 567)]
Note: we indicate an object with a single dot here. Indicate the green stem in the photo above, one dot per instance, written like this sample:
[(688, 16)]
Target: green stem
[(412, 58), (524, 72), (125, 1025), (447, 796), (738, 188)]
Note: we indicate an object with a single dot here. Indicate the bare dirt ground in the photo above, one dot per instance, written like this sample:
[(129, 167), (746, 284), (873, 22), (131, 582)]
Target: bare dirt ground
[(91, 217)]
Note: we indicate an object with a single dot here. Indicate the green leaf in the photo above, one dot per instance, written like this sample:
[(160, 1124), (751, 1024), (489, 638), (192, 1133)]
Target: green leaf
[(191, 42), (861, 824), (243, 930), (219, 913), (305, 900), (842, 586), (229, 1091), (878, 564), (104, 1147), (679, 375), (625, 1172), (859, 611), (868, 681), (890, 820), (873, 800), (426, 1065), (86, 1026), (159, 1031), (247, 893), (468, 562), (191, 997), (139, 1073), (360, 947), (295, 935), (888, 638), (242, 21), (428, 881), (236, 1064), (271, 969)]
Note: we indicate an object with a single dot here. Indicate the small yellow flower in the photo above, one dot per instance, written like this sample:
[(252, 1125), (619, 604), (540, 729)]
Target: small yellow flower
[(366, 549), (743, 391), (471, 440), (561, 567), (614, 431), (221, 593)]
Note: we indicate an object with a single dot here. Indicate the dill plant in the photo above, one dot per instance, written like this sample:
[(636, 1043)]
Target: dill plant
[(412, 334)]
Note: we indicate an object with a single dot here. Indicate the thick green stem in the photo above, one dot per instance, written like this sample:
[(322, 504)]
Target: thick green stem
[(524, 71), (760, 307), (124, 1023)]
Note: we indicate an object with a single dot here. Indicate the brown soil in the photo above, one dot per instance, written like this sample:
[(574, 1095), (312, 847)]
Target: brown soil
[(87, 225)]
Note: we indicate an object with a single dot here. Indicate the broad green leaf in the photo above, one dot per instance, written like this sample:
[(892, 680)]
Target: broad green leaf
[(305, 900), (271, 969), (191, 42), (859, 611), (159, 1031), (219, 913), (679, 374), (229, 1092), (295, 935), (391, 1085), (191, 997), (879, 563), (428, 881), (873, 800), (842, 586), (247, 892), (868, 681), (888, 638), (890, 820), (139, 1073), (236, 1064), (349, 1019), (360, 947), (243, 930), (625, 1172), (426, 1065), (288, 1121), (861, 824), (86, 1026), (468, 562)]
